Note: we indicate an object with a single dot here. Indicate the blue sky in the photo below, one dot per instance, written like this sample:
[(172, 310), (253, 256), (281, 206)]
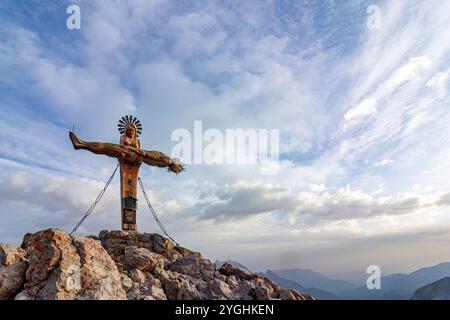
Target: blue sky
[(363, 117)]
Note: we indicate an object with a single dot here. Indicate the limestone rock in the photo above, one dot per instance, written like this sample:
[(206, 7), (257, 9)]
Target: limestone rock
[(127, 283), (155, 292), (116, 241), (138, 277), (143, 259), (244, 290), (221, 290), (10, 255), (61, 267), (13, 264), (186, 265), (240, 273), (54, 266), (195, 267), (100, 278), (123, 265)]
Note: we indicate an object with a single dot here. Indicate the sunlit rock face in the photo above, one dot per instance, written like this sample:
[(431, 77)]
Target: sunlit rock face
[(119, 265)]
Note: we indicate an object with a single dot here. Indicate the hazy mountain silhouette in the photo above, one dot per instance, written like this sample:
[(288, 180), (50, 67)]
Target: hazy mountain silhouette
[(289, 284), (396, 286), (438, 290), (399, 285), (311, 279)]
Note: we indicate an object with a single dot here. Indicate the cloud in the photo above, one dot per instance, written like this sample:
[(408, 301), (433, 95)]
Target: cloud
[(53, 199), (243, 200), (383, 162), (18, 180), (438, 80), (366, 107), (445, 199), (409, 71), (88, 96)]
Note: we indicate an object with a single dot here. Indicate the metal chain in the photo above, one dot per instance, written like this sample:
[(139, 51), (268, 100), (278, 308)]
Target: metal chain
[(91, 208), (154, 213)]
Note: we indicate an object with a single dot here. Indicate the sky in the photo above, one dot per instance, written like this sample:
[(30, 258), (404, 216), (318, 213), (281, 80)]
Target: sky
[(362, 110)]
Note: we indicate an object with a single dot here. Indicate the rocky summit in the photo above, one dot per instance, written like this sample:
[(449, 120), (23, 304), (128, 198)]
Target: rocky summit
[(120, 265)]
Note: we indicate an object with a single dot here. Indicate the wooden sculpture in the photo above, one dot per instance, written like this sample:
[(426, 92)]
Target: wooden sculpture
[(130, 156)]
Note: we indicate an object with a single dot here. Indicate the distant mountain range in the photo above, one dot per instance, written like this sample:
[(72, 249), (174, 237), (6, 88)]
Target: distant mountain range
[(425, 283), (399, 285), (311, 279), (289, 284), (438, 290)]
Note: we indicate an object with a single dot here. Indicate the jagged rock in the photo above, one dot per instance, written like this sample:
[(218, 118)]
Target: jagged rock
[(195, 267), (99, 275), (103, 234), (240, 273), (187, 253), (292, 294), (265, 289), (221, 290), (61, 267), (138, 276), (145, 286), (186, 265), (169, 283), (11, 279), (232, 281), (176, 286), (155, 292), (143, 259), (115, 243), (188, 292), (13, 264), (127, 283), (54, 266), (245, 290), (263, 292), (123, 265), (10, 255)]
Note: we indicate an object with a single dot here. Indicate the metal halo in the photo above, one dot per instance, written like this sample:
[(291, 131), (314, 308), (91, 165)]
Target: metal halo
[(127, 120)]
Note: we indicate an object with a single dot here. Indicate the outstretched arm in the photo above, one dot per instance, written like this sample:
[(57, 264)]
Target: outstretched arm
[(159, 159), (127, 153)]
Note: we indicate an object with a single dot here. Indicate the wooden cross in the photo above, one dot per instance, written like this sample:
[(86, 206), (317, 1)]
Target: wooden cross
[(130, 156)]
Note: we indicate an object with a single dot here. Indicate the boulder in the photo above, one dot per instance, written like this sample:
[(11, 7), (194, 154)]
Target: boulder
[(186, 265), (155, 292), (220, 290), (245, 290), (54, 266), (13, 264), (63, 268), (10, 255), (138, 277), (143, 259), (240, 273), (100, 278)]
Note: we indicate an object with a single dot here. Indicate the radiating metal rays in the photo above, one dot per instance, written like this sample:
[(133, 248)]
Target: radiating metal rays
[(127, 120)]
